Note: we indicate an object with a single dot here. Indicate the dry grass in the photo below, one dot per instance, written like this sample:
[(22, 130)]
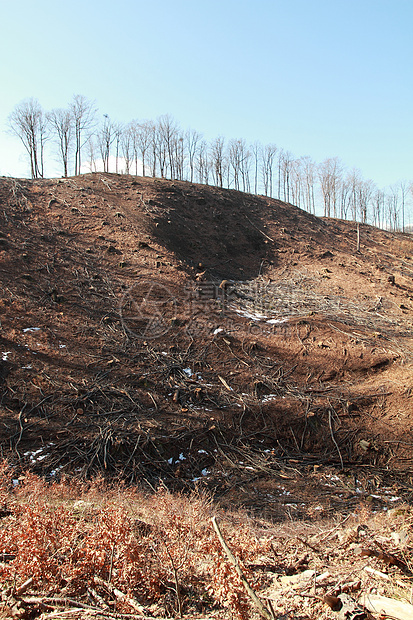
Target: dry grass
[(113, 551), (159, 550)]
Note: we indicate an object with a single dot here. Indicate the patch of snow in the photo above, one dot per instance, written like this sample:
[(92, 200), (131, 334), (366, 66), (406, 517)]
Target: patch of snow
[(218, 330), (5, 355), (202, 452), (36, 455), (251, 315), (268, 397), (188, 372), (31, 329), (27, 367), (181, 457), (276, 321)]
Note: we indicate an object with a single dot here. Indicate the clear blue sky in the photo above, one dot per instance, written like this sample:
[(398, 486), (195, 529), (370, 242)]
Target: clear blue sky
[(324, 78)]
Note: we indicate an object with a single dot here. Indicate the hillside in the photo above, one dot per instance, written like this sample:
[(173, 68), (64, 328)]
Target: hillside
[(286, 389)]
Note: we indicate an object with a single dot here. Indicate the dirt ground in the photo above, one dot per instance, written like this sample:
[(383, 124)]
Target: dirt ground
[(156, 330)]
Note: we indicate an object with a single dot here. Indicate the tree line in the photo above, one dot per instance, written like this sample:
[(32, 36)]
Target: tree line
[(162, 148)]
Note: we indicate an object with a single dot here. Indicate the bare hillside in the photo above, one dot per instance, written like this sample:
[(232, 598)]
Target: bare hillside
[(122, 350)]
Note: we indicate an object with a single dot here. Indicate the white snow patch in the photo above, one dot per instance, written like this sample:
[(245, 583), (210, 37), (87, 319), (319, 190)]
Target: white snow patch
[(5, 355), (268, 397), (31, 329), (251, 315)]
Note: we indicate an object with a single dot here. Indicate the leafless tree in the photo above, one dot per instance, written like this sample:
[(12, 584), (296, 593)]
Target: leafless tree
[(83, 114), (330, 175), (144, 144), (179, 155), (379, 201), (366, 189), (167, 135), (28, 122), (126, 146), (354, 180), (92, 154), (393, 207), (239, 159), (61, 123), (308, 168), (345, 197), (297, 188), (192, 141), (256, 150), (118, 131), (105, 138), (285, 163), (203, 163), (218, 162), (404, 186)]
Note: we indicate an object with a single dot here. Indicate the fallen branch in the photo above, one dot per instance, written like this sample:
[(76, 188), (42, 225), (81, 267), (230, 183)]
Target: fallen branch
[(121, 596), (388, 558), (25, 586), (263, 610)]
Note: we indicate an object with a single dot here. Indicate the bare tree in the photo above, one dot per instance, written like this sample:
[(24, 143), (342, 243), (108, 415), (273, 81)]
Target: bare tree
[(61, 123), (297, 183), (239, 160), (28, 122), (83, 114), (379, 201), (366, 189), (144, 144), (167, 134), (179, 156), (256, 149), (203, 163), (330, 175), (118, 131), (285, 163), (91, 154), (309, 172), (105, 138), (126, 146), (192, 140), (217, 158), (393, 207), (404, 186)]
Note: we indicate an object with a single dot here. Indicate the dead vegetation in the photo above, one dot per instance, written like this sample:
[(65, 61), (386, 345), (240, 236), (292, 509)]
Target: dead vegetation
[(85, 550), (164, 334)]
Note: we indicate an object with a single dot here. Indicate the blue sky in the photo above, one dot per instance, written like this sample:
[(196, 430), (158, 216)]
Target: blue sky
[(324, 78)]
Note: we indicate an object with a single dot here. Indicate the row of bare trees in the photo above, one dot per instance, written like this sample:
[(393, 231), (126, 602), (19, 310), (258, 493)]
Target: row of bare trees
[(162, 148)]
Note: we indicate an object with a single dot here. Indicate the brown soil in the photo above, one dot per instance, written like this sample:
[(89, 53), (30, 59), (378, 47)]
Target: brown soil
[(286, 389)]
